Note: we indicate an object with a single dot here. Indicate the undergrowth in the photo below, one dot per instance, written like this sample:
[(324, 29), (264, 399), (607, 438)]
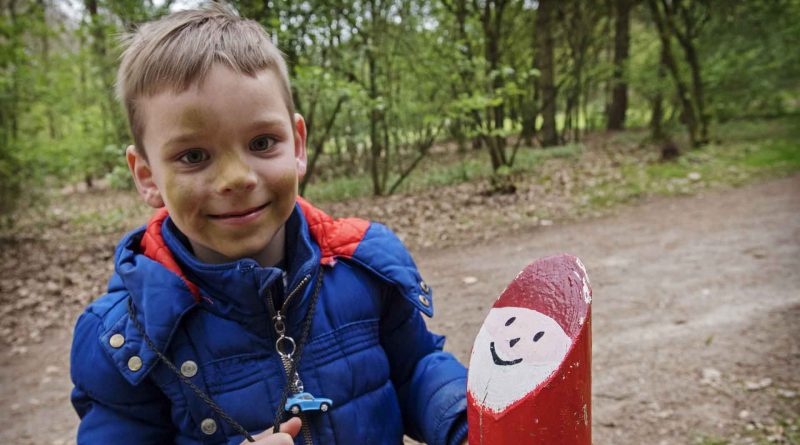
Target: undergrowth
[(466, 167), (744, 152), (785, 431)]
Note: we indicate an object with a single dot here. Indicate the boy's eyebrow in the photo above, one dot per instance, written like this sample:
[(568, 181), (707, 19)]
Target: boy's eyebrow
[(191, 135), (181, 139), (267, 121)]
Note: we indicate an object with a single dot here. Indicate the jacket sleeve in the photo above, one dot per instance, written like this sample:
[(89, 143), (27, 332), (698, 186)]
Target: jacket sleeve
[(111, 409), (431, 383)]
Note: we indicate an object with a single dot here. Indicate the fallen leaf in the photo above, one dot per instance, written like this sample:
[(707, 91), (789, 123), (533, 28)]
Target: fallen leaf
[(710, 376), (761, 384)]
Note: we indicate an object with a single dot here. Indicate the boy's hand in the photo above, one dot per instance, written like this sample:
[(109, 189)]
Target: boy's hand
[(289, 429)]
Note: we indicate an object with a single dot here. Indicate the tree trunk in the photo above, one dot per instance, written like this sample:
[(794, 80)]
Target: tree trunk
[(45, 41), (686, 40), (530, 113), (460, 9), (376, 146), (568, 117), (689, 116), (544, 57), (619, 95), (491, 19), (498, 83), (114, 119), (15, 77), (319, 144), (698, 93), (374, 137), (657, 116), (686, 36)]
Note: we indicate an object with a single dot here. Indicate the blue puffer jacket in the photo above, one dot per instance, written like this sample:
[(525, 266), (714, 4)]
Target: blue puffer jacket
[(368, 349)]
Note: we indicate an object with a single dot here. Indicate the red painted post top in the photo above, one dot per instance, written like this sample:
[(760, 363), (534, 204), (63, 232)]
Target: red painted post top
[(529, 377)]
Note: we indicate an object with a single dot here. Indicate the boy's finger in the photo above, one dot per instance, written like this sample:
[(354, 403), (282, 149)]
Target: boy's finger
[(267, 438), (292, 426), (279, 439)]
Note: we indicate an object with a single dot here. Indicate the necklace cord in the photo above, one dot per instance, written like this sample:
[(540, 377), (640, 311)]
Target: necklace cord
[(295, 360), (199, 392), (204, 397)]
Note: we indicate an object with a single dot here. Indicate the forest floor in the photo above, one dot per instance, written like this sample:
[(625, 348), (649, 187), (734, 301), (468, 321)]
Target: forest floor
[(696, 314)]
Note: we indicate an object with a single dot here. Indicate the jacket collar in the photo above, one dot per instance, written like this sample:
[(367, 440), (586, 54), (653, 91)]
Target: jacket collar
[(374, 247), (160, 297), (166, 281)]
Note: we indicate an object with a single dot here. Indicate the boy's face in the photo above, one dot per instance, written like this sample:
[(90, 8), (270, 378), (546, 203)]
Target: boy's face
[(224, 157)]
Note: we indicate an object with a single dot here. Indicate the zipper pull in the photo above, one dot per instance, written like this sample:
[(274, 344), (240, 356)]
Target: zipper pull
[(279, 323), (298, 384), (285, 347)]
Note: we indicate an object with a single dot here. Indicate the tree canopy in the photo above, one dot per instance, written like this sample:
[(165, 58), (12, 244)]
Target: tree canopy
[(382, 82)]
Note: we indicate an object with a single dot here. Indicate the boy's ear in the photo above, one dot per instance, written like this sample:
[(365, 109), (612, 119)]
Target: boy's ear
[(143, 177), (300, 144)]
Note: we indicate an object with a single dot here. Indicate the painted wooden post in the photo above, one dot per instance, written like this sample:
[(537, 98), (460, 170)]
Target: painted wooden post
[(529, 377)]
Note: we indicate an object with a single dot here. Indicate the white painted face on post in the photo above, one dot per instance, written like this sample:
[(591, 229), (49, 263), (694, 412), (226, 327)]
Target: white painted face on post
[(516, 350)]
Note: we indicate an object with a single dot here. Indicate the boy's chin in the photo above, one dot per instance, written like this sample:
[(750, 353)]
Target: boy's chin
[(266, 252), (229, 253)]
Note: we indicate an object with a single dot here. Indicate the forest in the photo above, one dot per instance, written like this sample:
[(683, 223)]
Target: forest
[(657, 140), (385, 83)]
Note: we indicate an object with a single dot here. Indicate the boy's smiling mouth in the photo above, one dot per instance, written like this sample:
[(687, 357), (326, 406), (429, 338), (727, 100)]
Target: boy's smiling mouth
[(240, 215)]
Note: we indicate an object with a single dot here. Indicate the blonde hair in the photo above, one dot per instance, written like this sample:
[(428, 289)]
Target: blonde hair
[(174, 52)]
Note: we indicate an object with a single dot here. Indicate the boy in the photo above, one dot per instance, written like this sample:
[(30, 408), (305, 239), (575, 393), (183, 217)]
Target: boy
[(240, 303)]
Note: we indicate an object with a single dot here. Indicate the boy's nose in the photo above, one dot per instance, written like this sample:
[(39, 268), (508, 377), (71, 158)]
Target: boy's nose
[(235, 174), (512, 342)]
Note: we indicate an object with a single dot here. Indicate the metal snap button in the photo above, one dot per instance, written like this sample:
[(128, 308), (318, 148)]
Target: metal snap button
[(208, 426), (116, 341), (135, 363), (424, 300), (189, 368), (424, 286)]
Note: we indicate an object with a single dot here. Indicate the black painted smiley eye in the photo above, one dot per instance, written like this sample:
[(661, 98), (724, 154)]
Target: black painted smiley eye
[(538, 336), (510, 320)]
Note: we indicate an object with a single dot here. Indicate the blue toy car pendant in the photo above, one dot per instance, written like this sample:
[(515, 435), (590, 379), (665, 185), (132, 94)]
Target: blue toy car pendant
[(304, 401)]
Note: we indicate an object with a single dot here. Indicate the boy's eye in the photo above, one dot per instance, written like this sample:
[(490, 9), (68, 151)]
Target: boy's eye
[(194, 156), (262, 143)]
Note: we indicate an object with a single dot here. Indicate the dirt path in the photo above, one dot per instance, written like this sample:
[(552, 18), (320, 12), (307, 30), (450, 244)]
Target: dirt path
[(696, 319)]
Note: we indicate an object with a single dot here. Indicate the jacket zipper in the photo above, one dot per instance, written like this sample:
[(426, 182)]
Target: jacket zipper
[(279, 325), (296, 386)]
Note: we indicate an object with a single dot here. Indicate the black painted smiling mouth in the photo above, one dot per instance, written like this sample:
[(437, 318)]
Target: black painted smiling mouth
[(498, 360)]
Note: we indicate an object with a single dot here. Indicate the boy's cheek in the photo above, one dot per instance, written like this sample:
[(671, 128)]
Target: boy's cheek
[(285, 194), (173, 192), (181, 199), (282, 186)]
